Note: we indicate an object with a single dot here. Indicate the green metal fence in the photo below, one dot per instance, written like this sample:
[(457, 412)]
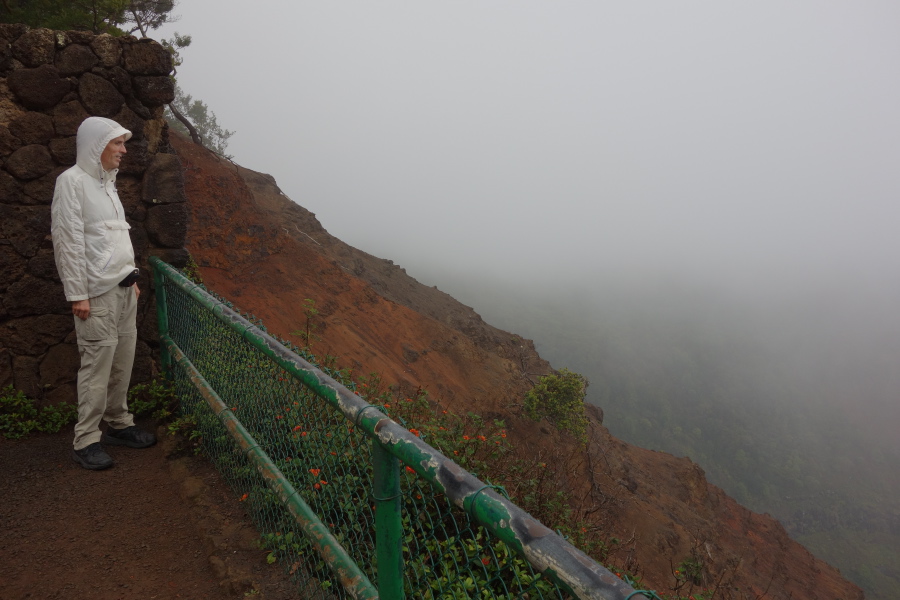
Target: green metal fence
[(351, 503)]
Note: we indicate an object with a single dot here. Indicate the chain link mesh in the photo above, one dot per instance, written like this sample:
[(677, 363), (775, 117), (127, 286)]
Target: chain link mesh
[(328, 461)]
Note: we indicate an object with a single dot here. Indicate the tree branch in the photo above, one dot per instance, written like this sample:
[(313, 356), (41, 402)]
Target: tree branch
[(193, 131), (137, 21)]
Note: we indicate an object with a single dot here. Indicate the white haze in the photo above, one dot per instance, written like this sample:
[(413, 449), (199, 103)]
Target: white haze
[(748, 149)]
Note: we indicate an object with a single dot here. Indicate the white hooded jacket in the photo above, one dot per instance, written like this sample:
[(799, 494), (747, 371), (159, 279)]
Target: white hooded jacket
[(90, 235)]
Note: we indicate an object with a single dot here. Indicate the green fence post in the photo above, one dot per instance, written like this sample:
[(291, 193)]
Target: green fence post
[(388, 526), (162, 318)]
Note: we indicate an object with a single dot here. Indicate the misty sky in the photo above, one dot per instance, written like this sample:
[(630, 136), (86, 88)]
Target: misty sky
[(584, 148), (744, 143)]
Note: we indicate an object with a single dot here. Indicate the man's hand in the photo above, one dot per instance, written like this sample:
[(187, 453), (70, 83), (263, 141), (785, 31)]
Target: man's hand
[(81, 309), (137, 292)]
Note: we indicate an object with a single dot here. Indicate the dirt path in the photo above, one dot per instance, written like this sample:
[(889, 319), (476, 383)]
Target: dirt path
[(150, 527)]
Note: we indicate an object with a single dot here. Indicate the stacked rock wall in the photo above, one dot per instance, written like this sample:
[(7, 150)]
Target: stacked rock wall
[(50, 81)]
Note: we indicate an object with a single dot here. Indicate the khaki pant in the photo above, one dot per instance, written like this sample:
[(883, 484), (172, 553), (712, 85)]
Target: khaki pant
[(106, 343)]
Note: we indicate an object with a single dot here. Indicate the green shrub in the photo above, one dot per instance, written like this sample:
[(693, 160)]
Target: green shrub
[(191, 270), (189, 438), (20, 416), (156, 398), (560, 398)]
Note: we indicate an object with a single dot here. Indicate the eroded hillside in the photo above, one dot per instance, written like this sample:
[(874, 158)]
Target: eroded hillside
[(267, 254)]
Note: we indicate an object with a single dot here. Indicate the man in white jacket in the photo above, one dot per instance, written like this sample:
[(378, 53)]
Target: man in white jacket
[(95, 261)]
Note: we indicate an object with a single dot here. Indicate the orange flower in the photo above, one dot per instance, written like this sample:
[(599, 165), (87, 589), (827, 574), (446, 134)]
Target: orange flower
[(323, 482), (482, 438), (298, 428), (465, 437), (415, 432), (333, 453), (387, 405), (244, 497), (410, 469), (302, 434), (317, 486), (315, 472), (485, 561), (278, 417)]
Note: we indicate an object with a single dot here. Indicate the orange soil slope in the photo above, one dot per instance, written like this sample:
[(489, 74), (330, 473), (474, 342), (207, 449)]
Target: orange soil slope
[(267, 254)]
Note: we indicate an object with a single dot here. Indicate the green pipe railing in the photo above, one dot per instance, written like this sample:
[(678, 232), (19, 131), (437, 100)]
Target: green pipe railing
[(571, 570)]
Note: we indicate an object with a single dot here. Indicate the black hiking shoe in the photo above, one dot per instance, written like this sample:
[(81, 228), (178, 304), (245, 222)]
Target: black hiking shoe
[(92, 457), (130, 436)]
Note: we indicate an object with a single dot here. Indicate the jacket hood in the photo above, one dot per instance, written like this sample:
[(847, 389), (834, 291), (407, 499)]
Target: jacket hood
[(94, 134)]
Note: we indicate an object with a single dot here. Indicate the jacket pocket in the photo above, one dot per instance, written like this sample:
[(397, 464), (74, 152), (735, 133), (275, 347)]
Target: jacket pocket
[(111, 233)]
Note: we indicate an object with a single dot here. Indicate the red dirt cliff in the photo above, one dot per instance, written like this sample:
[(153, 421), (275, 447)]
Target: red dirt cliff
[(267, 254)]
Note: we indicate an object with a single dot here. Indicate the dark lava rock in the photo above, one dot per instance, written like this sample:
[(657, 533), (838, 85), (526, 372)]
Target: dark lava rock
[(99, 96), (32, 128), (38, 88), (75, 59), (30, 162), (154, 91), (147, 57), (35, 47), (164, 180)]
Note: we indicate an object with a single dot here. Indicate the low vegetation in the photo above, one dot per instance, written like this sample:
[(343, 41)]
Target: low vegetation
[(21, 416)]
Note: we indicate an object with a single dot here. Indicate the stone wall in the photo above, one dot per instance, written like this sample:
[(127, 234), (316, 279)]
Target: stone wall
[(50, 81)]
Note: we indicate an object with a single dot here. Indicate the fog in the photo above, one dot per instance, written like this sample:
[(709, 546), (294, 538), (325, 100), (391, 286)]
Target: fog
[(699, 156), (752, 144), (694, 203)]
